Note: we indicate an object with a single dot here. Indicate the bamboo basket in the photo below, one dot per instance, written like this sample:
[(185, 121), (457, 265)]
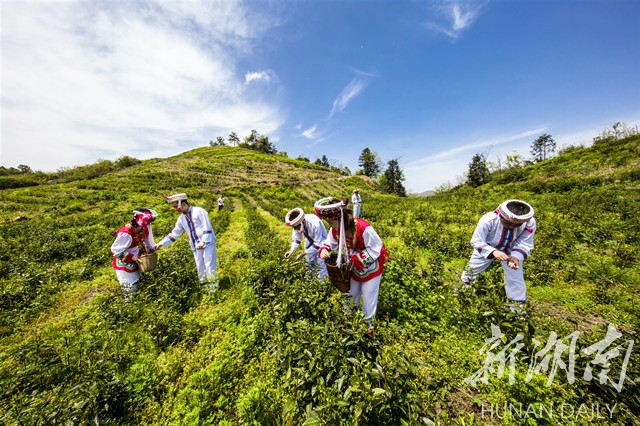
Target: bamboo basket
[(148, 262), (340, 277)]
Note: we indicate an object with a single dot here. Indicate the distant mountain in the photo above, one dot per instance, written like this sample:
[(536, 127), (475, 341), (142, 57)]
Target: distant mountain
[(423, 194)]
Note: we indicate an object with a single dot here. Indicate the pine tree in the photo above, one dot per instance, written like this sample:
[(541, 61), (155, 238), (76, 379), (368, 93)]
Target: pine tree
[(478, 170), (369, 163), (542, 146), (392, 178), (233, 139)]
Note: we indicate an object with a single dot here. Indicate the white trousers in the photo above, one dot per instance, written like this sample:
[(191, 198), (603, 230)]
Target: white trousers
[(315, 264), (206, 263), (368, 292), (513, 278), (356, 210), (128, 281)]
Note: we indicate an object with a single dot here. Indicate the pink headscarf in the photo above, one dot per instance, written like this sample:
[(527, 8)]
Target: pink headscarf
[(143, 219)]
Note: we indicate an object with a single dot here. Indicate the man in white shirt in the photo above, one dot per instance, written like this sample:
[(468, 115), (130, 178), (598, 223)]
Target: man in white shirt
[(505, 234), (195, 222), (356, 201), (310, 227)]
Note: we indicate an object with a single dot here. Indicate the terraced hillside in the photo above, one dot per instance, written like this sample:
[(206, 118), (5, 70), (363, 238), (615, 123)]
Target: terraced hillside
[(274, 347)]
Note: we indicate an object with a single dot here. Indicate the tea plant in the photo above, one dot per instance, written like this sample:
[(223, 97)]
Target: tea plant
[(275, 346)]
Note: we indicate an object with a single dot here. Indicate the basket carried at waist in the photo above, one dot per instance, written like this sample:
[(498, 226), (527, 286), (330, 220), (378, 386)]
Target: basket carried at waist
[(148, 262), (340, 277)]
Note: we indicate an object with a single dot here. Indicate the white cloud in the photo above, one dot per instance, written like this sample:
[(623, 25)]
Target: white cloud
[(310, 133), (251, 76), (456, 16), (89, 80), (353, 89), (428, 173)]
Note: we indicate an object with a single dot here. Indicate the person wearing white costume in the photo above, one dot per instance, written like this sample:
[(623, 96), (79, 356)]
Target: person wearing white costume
[(195, 222), (505, 234), (130, 239), (356, 201), (310, 227)]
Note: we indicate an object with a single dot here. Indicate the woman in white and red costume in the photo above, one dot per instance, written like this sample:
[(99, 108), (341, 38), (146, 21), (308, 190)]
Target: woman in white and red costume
[(133, 238), (362, 247)]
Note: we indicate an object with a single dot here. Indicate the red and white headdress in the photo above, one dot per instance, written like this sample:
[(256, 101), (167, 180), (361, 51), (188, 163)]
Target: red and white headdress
[(327, 210), (144, 217)]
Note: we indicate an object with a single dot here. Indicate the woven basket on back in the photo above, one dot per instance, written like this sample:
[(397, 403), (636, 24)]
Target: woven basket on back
[(148, 262), (340, 277)]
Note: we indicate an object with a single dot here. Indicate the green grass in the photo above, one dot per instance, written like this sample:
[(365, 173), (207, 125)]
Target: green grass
[(273, 348)]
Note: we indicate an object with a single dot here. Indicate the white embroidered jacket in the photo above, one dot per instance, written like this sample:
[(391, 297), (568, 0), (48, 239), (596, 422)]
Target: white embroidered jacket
[(196, 224)]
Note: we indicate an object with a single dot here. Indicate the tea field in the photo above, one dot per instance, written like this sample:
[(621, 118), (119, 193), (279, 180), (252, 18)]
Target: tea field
[(273, 347)]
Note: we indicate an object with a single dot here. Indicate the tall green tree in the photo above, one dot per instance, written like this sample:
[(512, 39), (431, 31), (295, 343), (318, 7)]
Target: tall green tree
[(392, 179), (369, 163), (478, 171), (542, 147), (233, 139)]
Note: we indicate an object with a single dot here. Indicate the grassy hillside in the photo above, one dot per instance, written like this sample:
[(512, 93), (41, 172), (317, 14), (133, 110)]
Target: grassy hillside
[(272, 348)]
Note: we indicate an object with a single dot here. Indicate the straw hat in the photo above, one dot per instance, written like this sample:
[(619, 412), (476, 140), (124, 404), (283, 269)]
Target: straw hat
[(515, 211), (297, 214)]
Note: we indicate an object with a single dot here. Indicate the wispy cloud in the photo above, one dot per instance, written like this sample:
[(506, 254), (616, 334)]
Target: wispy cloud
[(352, 90), (428, 172), (126, 78), (310, 133), (455, 16), (475, 146)]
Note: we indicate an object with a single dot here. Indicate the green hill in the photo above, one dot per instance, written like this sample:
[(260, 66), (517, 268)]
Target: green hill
[(273, 348)]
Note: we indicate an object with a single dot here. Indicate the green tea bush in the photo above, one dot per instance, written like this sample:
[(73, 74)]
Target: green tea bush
[(275, 345)]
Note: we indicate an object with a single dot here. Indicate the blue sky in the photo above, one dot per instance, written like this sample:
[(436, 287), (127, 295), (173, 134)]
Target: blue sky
[(427, 82)]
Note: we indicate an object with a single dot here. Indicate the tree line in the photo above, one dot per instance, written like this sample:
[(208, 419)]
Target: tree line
[(390, 180), (542, 148)]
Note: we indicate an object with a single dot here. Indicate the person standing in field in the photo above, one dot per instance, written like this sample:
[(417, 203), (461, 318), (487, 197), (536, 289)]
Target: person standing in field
[(220, 203), (132, 239), (505, 234), (311, 228), (364, 249), (195, 222), (356, 201)]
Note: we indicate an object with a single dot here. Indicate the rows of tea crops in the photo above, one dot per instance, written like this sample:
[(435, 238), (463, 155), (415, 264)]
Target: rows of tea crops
[(275, 347)]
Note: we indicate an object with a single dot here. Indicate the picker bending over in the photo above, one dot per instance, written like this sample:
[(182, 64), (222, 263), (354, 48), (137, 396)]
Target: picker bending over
[(132, 238), (310, 227), (505, 234)]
